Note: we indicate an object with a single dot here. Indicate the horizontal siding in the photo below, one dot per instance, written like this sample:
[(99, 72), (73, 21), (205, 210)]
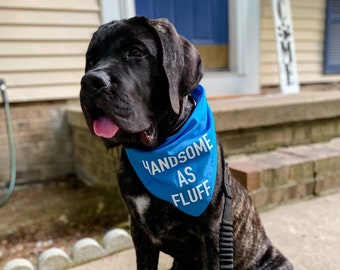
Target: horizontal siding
[(299, 24), (81, 5), (19, 64), (303, 68), (43, 33), (47, 17), (43, 78), (304, 78), (309, 57), (308, 22), (303, 35), (303, 11), (40, 93), (42, 46), (304, 46)]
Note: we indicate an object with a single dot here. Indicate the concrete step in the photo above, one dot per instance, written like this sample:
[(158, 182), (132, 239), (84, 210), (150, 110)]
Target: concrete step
[(262, 123), (289, 173)]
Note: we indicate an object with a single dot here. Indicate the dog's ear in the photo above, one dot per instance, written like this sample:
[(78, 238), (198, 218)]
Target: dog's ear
[(181, 62)]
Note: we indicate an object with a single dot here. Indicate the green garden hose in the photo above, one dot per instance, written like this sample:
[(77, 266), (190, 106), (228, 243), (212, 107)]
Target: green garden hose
[(10, 143)]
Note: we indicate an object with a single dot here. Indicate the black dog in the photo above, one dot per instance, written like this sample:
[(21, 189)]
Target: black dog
[(138, 91)]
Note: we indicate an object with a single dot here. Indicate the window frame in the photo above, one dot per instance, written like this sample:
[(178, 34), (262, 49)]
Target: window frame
[(331, 17)]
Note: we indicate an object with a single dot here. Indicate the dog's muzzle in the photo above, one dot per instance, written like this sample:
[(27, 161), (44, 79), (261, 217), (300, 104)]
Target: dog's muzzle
[(93, 81)]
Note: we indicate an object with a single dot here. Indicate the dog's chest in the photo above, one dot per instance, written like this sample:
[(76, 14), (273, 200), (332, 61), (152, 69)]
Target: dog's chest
[(141, 204)]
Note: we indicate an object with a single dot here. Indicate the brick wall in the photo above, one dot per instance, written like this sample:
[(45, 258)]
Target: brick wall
[(42, 141), (94, 164)]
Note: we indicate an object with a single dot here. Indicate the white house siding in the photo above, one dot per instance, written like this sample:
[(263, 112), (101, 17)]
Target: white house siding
[(309, 25), (42, 46)]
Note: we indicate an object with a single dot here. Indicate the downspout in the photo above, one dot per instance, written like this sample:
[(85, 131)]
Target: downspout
[(10, 189)]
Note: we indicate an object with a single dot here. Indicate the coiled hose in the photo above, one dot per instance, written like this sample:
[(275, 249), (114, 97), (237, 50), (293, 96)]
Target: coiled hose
[(10, 143)]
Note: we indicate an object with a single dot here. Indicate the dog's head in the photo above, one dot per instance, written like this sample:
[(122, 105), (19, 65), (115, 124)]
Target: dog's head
[(137, 75)]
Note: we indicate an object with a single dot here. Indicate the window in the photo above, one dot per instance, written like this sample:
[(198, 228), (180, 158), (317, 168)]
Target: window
[(332, 38)]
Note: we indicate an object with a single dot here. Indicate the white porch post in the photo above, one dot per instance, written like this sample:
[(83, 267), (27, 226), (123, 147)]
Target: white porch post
[(285, 47)]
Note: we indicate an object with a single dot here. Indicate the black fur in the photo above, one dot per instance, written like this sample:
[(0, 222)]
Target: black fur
[(139, 73)]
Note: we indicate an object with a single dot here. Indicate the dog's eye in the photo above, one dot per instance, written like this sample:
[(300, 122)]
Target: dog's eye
[(136, 52), (92, 61)]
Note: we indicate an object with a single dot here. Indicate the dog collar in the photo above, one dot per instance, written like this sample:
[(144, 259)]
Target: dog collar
[(183, 169)]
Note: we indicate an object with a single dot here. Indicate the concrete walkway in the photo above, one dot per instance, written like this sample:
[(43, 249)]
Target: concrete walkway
[(307, 232)]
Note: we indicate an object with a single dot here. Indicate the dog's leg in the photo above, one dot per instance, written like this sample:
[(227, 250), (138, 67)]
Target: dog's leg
[(146, 252), (210, 251), (186, 265), (252, 248), (270, 258), (206, 259)]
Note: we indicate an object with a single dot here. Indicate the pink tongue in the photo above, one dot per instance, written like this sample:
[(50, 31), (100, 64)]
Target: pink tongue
[(104, 127)]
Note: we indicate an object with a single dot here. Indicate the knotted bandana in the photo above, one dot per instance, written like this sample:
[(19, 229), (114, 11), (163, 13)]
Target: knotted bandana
[(183, 169)]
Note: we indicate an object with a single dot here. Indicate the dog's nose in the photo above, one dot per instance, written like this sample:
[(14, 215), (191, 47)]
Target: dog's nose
[(94, 81)]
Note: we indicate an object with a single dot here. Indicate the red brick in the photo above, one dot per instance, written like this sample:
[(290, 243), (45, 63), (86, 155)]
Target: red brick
[(246, 174)]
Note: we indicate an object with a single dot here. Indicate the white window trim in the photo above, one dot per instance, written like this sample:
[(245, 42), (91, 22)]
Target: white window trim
[(244, 29), (117, 9)]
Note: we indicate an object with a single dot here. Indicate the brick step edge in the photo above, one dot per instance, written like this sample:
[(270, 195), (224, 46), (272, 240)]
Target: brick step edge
[(83, 251), (289, 173)]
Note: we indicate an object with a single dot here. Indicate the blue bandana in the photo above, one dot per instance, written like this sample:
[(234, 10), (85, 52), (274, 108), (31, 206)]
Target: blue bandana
[(183, 169)]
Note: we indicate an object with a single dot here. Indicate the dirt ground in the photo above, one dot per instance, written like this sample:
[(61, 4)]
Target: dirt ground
[(56, 215)]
